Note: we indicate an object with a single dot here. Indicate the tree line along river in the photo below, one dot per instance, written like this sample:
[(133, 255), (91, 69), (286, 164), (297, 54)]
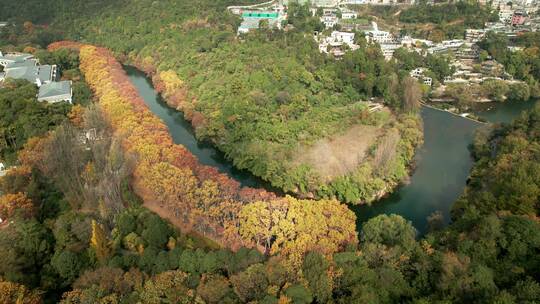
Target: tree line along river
[(442, 164)]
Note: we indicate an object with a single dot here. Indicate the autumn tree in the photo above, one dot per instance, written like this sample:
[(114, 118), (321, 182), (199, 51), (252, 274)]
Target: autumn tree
[(17, 293), (251, 284), (170, 286), (12, 204), (99, 242), (412, 94), (214, 288)]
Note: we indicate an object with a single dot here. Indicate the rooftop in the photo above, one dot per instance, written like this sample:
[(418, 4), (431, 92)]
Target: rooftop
[(19, 64), (15, 57), (55, 89), (260, 14), (31, 73)]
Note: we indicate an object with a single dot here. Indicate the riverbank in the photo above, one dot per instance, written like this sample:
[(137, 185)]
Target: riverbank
[(442, 163), (320, 169), (201, 198), (462, 115)]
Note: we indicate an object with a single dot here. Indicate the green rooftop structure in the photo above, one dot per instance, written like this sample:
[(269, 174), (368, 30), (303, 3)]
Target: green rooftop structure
[(251, 20), (260, 14), (53, 92)]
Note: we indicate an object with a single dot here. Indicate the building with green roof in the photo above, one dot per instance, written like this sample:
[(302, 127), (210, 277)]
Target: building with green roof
[(37, 74), (10, 58), (251, 20), (54, 92)]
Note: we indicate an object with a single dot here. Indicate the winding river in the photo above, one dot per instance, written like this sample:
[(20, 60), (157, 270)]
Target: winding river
[(443, 163)]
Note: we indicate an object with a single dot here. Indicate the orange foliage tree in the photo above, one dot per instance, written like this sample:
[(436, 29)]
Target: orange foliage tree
[(12, 204), (17, 293)]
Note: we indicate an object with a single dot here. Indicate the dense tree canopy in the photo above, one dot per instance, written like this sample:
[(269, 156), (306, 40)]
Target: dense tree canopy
[(262, 98), (87, 238)]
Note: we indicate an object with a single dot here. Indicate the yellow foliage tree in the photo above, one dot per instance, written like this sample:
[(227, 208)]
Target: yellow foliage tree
[(171, 80), (99, 242), (11, 204), (18, 294)]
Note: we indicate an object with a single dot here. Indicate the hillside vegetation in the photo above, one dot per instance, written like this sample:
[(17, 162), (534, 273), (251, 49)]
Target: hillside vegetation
[(74, 230), (261, 98)]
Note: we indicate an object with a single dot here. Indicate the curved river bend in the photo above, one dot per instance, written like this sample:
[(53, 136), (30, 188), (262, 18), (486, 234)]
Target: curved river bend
[(443, 163)]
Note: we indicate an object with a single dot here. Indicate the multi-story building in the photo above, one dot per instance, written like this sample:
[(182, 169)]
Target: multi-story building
[(419, 73), (329, 20), (348, 14), (380, 37), (505, 15), (336, 42), (475, 35), (519, 17)]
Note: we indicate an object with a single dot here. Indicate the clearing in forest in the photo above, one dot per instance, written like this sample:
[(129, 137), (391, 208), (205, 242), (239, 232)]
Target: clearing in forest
[(341, 154)]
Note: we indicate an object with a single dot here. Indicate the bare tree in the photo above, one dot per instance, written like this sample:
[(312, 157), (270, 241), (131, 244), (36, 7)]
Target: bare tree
[(386, 152), (412, 93)]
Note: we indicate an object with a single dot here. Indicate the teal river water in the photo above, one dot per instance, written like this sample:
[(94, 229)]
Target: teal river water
[(442, 166)]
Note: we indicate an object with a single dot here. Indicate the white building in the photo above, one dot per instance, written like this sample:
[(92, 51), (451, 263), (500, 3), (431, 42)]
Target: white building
[(380, 37), (348, 14), (505, 15), (418, 73), (329, 20), (388, 50), (446, 45), (336, 42), (345, 37), (474, 35), (2, 170)]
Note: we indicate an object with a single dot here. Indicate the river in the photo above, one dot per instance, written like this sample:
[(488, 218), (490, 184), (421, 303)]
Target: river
[(443, 163)]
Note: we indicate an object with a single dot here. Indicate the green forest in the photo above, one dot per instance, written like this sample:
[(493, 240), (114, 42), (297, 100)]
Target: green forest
[(263, 99), (447, 20), (74, 231), (61, 247), (523, 64)]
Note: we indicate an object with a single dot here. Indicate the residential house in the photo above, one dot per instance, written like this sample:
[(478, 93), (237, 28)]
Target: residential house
[(389, 49), (518, 18), (505, 15), (468, 51), (380, 37), (475, 35), (446, 45), (54, 92), (336, 42), (348, 14), (418, 73), (345, 37), (329, 20)]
